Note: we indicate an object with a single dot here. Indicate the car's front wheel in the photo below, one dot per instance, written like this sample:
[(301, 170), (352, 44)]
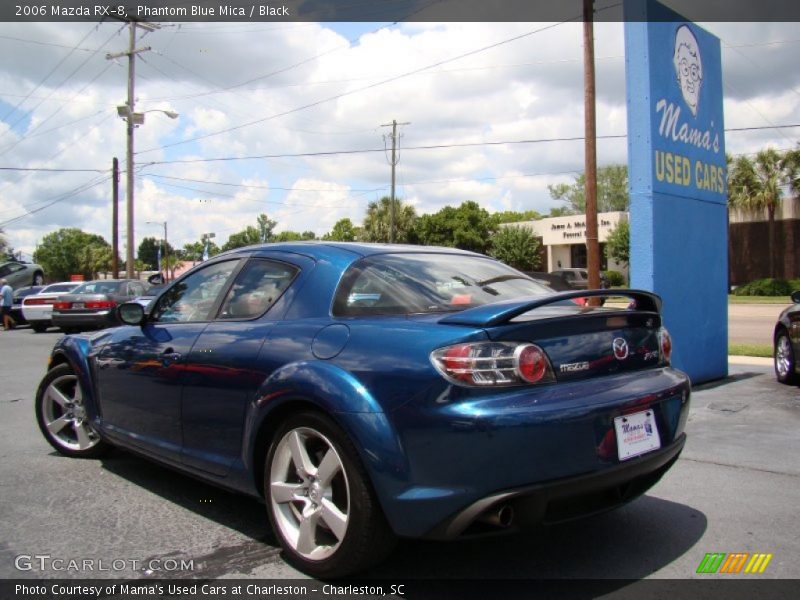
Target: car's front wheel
[(319, 499), (38, 278), (62, 418), (784, 358)]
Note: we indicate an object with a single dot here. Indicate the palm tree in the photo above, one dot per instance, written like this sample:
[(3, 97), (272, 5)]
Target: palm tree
[(757, 185), (377, 221)]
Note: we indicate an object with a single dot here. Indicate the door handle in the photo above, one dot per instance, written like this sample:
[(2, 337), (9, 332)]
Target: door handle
[(169, 355)]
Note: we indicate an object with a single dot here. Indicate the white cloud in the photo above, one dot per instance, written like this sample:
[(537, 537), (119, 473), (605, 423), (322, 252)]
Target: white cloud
[(249, 78)]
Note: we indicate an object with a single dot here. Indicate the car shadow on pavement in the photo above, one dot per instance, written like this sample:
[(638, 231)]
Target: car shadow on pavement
[(235, 511), (727, 380), (626, 544)]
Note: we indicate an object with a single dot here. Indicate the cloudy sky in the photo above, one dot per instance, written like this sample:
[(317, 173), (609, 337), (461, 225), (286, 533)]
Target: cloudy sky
[(300, 98)]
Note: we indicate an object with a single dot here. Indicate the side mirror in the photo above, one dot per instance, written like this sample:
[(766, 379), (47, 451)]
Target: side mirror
[(131, 313), (157, 279), (796, 297)]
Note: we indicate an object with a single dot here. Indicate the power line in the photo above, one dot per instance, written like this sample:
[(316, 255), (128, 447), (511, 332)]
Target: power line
[(48, 170), (361, 89), (261, 187), (46, 77), (66, 196)]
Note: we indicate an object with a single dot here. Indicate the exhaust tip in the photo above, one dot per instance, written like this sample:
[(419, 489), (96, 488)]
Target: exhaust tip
[(499, 516)]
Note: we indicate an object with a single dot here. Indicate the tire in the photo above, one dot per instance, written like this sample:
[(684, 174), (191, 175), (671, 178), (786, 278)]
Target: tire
[(39, 327), (320, 502), (61, 415), (784, 359), (38, 278)]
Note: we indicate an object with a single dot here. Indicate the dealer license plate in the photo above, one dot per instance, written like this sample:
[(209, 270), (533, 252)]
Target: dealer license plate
[(636, 434), (78, 305)]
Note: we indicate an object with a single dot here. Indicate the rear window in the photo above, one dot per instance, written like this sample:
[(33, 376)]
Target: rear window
[(398, 284), (98, 287)]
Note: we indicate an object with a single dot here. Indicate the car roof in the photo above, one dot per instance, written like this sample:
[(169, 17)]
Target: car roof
[(320, 249)]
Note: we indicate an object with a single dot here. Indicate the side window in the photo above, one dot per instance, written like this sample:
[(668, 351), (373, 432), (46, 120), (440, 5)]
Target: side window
[(256, 289), (192, 298), (135, 288)]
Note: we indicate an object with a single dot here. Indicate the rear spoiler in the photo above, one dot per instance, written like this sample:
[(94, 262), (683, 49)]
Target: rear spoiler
[(497, 313)]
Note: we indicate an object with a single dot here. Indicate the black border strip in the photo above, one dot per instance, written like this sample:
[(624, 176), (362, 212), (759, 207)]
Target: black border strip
[(381, 11)]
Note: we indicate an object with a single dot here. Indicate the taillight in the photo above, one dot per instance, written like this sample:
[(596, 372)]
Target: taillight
[(666, 346), (101, 304), (62, 305), (33, 301), (493, 364)]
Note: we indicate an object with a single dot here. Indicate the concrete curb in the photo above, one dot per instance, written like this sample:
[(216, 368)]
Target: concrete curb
[(750, 360)]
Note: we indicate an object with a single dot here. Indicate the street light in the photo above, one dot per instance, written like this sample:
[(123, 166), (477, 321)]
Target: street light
[(133, 119), (166, 248)]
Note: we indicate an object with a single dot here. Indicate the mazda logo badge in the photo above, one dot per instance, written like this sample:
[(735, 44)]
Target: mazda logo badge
[(620, 347)]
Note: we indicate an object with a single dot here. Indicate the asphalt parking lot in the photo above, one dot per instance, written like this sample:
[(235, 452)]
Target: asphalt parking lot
[(736, 488)]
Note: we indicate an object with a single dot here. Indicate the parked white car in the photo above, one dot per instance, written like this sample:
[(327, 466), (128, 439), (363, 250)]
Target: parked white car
[(38, 309)]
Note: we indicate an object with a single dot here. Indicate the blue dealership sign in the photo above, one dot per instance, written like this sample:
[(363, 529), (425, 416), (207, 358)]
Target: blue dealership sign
[(677, 168)]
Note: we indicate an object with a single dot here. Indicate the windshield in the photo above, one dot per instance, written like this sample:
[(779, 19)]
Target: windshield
[(424, 283), (59, 287)]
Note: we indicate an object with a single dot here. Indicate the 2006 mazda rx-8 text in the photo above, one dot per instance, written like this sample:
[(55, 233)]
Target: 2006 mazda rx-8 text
[(367, 392)]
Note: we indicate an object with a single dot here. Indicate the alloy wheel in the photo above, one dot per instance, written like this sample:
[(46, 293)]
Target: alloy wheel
[(65, 417), (783, 356), (309, 493)]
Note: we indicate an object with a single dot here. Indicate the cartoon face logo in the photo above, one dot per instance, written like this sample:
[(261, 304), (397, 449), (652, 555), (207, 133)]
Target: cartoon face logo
[(688, 66)]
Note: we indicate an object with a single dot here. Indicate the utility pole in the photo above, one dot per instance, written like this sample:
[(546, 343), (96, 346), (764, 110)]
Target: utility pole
[(115, 218), (130, 118), (393, 163), (590, 154)]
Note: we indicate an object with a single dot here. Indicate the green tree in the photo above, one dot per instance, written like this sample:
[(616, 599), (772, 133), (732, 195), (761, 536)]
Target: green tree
[(69, 251), (95, 258), (559, 211), (517, 247), (612, 191), (148, 252), (265, 226), (288, 236), (343, 231), (377, 221), (468, 227), (513, 216), (194, 250), (618, 243), (3, 243), (756, 185), (247, 237)]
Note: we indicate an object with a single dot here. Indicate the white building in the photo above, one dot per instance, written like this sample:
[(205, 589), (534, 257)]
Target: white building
[(564, 239)]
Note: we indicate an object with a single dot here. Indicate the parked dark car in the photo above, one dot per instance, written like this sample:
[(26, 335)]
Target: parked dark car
[(367, 392), (577, 279), (556, 282), (787, 343), (21, 274), (149, 295), (93, 304), (19, 295)]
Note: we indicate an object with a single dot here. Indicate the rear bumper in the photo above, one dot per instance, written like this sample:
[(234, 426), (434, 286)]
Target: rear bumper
[(565, 499), (103, 318), (461, 449)]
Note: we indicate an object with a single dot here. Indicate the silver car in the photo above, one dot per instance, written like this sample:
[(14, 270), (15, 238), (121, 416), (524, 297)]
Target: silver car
[(20, 274)]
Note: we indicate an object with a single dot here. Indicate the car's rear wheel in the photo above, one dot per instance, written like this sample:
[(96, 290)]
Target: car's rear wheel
[(784, 358), (39, 327), (319, 499), (38, 278), (62, 418)]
